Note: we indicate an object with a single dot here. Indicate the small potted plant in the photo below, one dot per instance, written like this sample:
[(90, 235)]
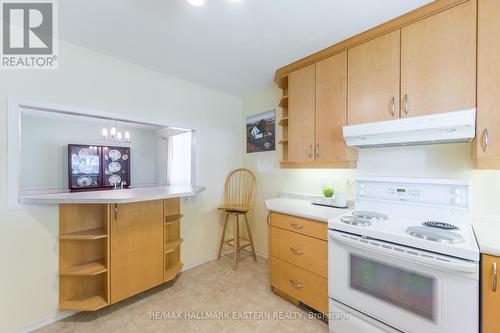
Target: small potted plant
[(328, 193)]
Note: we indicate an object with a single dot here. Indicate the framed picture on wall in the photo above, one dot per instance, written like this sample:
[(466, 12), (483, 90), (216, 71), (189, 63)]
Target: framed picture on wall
[(261, 132)]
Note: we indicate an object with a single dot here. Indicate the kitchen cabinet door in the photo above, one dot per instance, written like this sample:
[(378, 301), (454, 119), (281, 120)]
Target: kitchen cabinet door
[(136, 248), (331, 108), (301, 110), (487, 143), (490, 294), (438, 62), (373, 84)]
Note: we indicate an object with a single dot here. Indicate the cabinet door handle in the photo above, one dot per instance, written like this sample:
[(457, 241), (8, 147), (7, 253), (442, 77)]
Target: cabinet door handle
[(486, 140), (296, 226), (317, 150), (116, 211), (296, 251), (296, 285), (310, 150), (494, 287), (393, 106), (406, 108)]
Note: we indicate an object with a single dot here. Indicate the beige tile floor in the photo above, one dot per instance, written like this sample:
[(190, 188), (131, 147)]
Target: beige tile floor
[(211, 287)]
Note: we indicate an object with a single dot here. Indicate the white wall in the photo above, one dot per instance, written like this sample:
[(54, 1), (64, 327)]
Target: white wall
[(440, 161), (44, 152), (28, 238)]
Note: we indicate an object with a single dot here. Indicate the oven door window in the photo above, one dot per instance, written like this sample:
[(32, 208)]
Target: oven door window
[(405, 289)]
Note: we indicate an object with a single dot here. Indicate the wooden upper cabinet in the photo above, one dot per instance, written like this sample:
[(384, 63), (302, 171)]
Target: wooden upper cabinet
[(331, 108), (487, 144), (373, 93), (490, 294), (438, 62), (301, 111)]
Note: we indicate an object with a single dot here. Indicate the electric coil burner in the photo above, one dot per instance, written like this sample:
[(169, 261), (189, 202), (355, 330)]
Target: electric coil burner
[(354, 220), (369, 215), (435, 235), (440, 225)]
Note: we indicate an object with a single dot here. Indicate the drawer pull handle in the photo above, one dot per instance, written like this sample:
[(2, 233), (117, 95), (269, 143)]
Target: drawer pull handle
[(296, 285), (296, 251), (494, 277), (297, 226)]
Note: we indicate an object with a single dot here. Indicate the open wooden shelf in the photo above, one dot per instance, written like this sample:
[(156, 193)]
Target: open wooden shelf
[(172, 246), (284, 102), (83, 256), (91, 234), (283, 82), (173, 218), (87, 302), (87, 269), (283, 122), (172, 272)]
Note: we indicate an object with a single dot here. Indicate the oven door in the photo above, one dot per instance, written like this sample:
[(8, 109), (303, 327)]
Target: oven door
[(408, 289)]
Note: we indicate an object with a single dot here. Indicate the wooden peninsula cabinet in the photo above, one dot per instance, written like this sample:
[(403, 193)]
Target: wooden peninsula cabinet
[(109, 252)]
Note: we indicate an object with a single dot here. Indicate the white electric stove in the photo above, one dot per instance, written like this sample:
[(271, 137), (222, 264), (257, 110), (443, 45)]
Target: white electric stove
[(405, 259)]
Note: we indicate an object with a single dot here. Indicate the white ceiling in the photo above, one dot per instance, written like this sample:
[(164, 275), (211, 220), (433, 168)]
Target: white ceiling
[(231, 46)]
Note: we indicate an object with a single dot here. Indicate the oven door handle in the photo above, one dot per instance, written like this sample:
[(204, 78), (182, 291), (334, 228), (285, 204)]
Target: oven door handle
[(452, 266)]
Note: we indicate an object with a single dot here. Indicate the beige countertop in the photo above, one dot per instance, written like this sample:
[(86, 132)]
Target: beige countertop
[(113, 196), (302, 207), (487, 230)]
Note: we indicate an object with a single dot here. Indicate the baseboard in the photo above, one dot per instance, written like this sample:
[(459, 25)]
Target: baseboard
[(203, 261), (43, 322), (64, 314), (261, 254)]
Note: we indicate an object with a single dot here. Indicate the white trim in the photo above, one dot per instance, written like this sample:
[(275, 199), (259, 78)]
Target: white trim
[(61, 315), (14, 108), (13, 150), (43, 322)]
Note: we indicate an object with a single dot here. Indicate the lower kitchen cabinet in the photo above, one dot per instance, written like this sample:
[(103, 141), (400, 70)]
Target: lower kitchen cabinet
[(136, 248), (298, 263), (109, 252), (490, 314)]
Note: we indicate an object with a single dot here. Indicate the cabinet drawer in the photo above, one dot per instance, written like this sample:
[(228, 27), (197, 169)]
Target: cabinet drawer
[(300, 250), (305, 286), (300, 225)]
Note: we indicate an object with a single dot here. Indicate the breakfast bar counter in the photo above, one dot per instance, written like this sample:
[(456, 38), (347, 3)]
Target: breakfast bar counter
[(136, 194), (114, 244)]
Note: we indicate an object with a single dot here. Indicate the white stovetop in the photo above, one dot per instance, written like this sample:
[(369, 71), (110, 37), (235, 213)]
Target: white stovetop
[(113, 196), (394, 230), (301, 205)]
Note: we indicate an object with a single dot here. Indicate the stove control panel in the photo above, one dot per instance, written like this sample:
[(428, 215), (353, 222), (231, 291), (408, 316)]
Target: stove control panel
[(443, 193)]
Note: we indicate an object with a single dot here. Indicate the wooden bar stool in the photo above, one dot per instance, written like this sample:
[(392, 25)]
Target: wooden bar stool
[(239, 190)]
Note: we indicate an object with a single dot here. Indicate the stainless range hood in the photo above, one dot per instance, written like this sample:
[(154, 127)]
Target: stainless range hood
[(449, 127)]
